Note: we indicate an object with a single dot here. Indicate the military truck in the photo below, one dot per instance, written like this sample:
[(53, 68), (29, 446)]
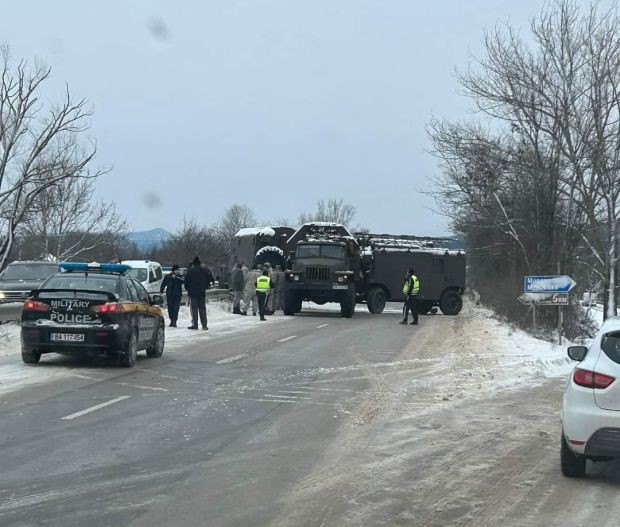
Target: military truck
[(385, 259), (328, 264), (323, 259), (255, 246)]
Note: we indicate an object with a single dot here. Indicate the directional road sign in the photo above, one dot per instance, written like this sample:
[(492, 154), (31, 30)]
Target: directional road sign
[(548, 284), (544, 299)]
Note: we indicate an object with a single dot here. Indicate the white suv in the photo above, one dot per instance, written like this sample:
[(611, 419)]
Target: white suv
[(591, 404)]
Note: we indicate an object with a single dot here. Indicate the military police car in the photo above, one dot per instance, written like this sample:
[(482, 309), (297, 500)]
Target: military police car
[(88, 308)]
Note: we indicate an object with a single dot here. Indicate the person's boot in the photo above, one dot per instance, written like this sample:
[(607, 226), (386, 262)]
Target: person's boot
[(263, 319), (205, 328), (236, 311), (403, 321), (414, 323), (245, 313), (192, 327)]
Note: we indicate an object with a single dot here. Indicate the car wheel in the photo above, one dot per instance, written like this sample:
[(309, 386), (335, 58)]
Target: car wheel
[(31, 357), (130, 355), (157, 349), (573, 465)]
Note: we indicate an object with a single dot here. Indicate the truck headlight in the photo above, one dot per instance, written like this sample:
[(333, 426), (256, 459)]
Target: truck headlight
[(1, 295), (340, 279), (296, 278)]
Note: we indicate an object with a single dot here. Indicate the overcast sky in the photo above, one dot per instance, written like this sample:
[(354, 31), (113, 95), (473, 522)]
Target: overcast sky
[(271, 103)]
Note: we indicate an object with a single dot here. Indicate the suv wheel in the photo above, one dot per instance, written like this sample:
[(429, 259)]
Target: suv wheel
[(130, 354), (573, 465)]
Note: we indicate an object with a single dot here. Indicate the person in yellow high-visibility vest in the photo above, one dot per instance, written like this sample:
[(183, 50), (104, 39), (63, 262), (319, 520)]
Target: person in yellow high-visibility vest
[(411, 289), (263, 289)]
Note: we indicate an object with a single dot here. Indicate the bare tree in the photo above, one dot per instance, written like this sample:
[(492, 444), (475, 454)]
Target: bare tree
[(39, 147), (332, 210), (67, 221)]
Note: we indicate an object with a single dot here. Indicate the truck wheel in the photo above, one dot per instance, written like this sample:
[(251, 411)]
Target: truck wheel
[(157, 349), (347, 304), (130, 353), (451, 302), (572, 465), (425, 306), (375, 301), (31, 357), (292, 303)]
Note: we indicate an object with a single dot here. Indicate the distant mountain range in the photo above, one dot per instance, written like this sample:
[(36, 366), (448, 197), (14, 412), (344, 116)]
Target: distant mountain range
[(147, 240)]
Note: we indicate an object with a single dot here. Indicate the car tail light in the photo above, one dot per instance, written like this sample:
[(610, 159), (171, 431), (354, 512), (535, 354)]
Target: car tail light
[(591, 379), (111, 307), (35, 305)]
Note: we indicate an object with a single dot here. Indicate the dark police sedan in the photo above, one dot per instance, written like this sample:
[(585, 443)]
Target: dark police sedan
[(92, 308)]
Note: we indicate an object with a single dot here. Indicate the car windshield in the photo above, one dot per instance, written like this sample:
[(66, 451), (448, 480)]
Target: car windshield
[(610, 344), (93, 282), (28, 271), (140, 274), (326, 251)]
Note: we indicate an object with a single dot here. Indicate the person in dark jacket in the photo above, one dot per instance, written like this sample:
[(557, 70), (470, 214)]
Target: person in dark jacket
[(196, 284), (237, 285), (173, 285)]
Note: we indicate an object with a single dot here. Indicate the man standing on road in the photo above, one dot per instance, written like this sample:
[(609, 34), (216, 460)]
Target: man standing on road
[(196, 285), (277, 278), (237, 285), (411, 289), (173, 285), (263, 288), (250, 291)]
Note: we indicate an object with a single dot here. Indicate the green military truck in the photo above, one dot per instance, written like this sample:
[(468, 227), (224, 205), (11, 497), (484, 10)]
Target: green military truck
[(322, 262), (386, 258), (326, 263)]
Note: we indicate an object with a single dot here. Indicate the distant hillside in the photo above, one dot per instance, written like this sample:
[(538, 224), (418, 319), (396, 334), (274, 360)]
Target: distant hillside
[(146, 240)]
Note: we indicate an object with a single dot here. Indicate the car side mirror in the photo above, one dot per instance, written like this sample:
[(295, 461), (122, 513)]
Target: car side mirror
[(577, 353), (157, 300)]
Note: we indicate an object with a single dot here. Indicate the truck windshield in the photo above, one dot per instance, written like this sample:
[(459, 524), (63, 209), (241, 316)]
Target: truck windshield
[(326, 251)]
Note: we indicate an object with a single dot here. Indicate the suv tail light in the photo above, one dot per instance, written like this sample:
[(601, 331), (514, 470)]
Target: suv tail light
[(591, 379), (35, 305), (110, 307)]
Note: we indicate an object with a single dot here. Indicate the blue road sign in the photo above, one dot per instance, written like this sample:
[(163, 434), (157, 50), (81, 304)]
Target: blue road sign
[(548, 284)]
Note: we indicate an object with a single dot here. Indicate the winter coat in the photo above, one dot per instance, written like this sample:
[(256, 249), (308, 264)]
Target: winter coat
[(237, 283), (250, 280), (173, 285), (197, 280)]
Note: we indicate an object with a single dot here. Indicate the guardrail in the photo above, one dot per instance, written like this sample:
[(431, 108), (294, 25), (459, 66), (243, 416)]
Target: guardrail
[(11, 312)]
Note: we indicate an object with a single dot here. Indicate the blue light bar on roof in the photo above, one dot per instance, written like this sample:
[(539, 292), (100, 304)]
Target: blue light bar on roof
[(106, 267)]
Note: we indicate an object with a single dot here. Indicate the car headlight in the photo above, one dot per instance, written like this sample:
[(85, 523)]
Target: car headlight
[(296, 278)]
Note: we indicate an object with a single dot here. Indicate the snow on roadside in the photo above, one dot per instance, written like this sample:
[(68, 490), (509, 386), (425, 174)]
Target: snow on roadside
[(14, 374)]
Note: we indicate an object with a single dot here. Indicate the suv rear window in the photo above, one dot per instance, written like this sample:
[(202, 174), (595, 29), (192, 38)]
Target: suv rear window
[(32, 271), (610, 344)]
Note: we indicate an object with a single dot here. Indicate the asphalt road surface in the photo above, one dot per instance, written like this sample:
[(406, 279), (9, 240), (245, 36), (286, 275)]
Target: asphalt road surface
[(312, 421)]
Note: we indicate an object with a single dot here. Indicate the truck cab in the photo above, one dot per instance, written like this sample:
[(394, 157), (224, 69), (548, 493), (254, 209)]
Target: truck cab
[(321, 269)]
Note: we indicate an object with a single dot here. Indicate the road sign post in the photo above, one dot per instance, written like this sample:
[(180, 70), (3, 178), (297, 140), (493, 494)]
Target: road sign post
[(547, 290)]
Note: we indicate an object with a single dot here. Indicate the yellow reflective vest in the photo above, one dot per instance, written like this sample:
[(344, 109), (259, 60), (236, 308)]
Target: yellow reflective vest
[(263, 284), (416, 285)]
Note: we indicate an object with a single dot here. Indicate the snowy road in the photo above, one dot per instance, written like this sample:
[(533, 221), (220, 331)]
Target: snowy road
[(314, 420)]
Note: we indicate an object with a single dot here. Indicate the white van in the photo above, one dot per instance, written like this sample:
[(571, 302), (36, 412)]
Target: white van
[(149, 274)]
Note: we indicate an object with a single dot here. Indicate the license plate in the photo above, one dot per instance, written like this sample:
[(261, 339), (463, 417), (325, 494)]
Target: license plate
[(340, 287), (67, 337)]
